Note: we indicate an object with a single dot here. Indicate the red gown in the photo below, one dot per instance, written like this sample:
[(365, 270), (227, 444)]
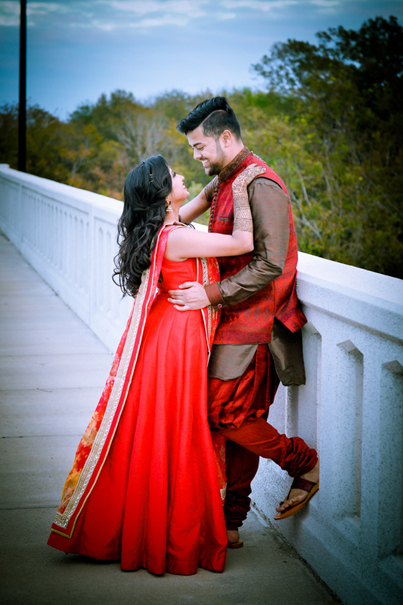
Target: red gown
[(156, 503)]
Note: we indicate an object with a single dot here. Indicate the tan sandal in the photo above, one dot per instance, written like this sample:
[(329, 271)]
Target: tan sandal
[(298, 483)]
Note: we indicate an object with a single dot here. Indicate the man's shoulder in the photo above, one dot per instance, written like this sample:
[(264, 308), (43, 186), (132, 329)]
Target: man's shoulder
[(265, 181), (269, 174), (265, 186)]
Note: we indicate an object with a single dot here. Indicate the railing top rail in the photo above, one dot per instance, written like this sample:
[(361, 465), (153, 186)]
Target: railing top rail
[(350, 278), (364, 298), (368, 300), (60, 191)]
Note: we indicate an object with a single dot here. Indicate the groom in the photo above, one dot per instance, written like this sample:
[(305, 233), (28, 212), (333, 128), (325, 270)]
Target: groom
[(258, 340)]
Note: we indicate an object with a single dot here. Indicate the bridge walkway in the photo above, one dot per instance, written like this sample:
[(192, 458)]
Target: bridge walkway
[(52, 371)]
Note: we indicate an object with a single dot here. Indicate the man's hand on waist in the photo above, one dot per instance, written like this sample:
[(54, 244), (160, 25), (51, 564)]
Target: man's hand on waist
[(190, 297)]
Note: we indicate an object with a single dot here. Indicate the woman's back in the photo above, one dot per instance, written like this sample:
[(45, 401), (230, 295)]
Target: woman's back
[(173, 274)]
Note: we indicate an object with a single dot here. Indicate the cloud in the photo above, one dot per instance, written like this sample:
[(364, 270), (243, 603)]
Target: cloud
[(115, 15), (119, 14), (44, 7), (325, 3), (143, 23), (188, 8), (225, 16), (160, 21), (12, 7), (10, 11), (9, 20), (105, 15), (257, 4), (111, 15)]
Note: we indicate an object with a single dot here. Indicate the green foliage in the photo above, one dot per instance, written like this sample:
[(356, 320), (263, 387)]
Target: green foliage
[(330, 124), (9, 135), (346, 191), (45, 142)]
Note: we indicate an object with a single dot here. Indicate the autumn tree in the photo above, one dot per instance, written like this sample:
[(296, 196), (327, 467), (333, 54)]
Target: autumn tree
[(349, 90), (45, 142)]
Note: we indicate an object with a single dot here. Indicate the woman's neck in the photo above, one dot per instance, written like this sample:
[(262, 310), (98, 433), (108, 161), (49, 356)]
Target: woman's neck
[(171, 217)]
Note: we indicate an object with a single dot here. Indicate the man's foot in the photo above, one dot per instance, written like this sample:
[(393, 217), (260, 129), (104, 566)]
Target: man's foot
[(298, 496), (233, 539)]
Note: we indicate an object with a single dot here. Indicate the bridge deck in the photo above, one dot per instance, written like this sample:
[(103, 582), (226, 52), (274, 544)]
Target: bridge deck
[(52, 372)]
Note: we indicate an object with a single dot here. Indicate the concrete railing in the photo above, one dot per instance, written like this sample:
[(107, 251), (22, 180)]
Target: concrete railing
[(69, 236), (351, 408), (351, 411)]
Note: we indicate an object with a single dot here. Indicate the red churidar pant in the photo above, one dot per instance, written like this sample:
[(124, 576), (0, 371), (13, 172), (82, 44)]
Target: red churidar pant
[(238, 408)]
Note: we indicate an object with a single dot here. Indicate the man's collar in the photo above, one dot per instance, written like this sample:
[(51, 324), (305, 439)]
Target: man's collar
[(229, 168)]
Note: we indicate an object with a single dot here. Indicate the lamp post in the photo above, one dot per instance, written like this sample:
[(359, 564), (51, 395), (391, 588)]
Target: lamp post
[(22, 107)]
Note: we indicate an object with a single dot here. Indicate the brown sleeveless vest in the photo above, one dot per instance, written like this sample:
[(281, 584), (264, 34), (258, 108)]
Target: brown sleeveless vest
[(251, 321)]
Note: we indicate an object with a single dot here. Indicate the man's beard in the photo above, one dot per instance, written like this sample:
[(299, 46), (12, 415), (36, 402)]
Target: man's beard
[(220, 162)]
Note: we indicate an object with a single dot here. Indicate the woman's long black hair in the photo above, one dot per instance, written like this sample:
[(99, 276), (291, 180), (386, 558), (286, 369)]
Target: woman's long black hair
[(146, 189)]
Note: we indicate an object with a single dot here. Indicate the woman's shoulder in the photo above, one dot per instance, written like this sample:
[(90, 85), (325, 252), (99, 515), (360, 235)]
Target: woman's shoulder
[(178, 224), (179, 237), (181, 230)]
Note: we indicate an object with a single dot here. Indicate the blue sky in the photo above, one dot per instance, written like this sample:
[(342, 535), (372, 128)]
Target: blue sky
[(79, 49)]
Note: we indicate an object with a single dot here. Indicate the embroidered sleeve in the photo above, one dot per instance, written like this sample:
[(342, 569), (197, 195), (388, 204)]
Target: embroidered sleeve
[(271, 232), (242, 213)]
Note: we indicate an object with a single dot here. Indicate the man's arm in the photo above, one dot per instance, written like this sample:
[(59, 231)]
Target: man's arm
[(271, 228)]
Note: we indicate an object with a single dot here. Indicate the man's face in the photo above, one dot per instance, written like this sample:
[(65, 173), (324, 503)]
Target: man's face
[(208, 150)]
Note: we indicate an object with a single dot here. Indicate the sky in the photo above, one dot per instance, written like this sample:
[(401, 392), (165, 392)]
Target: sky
[(79, 49)]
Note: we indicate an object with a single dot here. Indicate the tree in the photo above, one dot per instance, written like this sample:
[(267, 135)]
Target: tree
[(349, 89), (45, 136)]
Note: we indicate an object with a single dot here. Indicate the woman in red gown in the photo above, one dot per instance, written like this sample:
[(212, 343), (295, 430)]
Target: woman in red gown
[(144, 488)]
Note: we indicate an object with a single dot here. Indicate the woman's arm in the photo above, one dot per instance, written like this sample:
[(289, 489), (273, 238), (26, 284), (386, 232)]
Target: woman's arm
[(184, 243), (198, 205)]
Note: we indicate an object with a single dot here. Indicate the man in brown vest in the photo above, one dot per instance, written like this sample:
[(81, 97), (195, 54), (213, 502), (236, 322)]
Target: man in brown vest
[(258, 341)]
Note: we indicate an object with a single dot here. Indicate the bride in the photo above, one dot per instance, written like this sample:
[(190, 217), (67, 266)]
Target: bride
[(145, 484)]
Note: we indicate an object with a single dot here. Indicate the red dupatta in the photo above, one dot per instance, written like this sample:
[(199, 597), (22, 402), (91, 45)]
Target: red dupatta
[(95, 444)]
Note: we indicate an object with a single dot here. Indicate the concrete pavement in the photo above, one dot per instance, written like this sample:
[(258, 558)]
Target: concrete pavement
[(52, 371)]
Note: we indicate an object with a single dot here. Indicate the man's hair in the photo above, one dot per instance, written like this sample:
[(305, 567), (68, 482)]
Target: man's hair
[(215, 115)]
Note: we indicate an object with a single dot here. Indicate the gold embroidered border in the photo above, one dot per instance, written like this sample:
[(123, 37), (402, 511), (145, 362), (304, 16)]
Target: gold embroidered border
[(63, 519), (207, 327)]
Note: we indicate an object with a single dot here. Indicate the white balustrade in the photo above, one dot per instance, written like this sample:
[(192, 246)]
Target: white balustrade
[(69, 236), (350, 410)]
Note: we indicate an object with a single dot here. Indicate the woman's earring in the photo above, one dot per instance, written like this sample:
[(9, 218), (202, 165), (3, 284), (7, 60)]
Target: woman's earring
[(168, 208)]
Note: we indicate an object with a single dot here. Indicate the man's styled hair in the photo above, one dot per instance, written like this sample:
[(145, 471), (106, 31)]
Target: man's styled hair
[(215, 115)]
